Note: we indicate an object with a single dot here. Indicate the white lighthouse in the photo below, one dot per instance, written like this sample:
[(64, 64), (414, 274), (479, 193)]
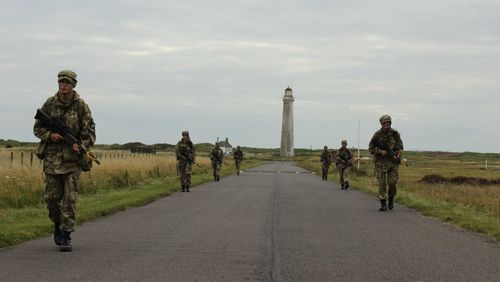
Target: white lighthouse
[(287, 125)]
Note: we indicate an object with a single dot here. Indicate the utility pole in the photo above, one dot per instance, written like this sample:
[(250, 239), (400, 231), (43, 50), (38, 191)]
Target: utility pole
[(359, 126)]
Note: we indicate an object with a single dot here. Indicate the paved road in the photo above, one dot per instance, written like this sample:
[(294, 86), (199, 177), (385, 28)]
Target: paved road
[(261, 226)]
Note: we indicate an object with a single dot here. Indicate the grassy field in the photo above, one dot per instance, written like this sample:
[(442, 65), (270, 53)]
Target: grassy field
[(474, 207), (124, 180), (121, 181)]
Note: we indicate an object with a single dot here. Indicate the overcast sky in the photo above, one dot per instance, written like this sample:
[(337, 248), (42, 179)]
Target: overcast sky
[(150, 69)]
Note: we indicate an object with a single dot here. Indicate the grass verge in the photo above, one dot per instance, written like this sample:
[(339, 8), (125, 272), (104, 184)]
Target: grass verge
[(23, 224), (466, 214)]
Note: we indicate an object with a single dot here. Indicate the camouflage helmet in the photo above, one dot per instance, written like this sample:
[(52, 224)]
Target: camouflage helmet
[(68, 75), (385, 118), (344, 142), (325, 147), (185, 133)]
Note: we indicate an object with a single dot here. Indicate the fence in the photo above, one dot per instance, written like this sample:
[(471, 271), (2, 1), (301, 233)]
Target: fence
[(30, 158)]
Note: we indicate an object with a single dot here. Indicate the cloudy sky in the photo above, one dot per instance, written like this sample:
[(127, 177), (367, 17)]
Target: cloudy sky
[(150, 69)]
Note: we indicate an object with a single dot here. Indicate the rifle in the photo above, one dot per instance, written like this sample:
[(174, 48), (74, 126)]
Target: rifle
[(390, 152), (57, 126), (343, 160)]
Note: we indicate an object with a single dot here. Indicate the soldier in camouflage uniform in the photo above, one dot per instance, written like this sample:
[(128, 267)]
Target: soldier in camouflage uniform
[(216, 156), (344, 163), (63, 162), (326, 160), (186, 156), (386, 147), (238, 158)]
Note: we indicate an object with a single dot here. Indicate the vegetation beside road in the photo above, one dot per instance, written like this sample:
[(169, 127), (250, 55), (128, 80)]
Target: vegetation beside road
[(121, 181), (474, 207)]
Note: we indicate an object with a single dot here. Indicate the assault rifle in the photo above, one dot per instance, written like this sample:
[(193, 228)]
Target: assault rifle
[(187, 159), (345, 161), (57, 126), (390, 152)]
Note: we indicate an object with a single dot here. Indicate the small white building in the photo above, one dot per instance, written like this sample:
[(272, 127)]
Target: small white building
[(226, 146)]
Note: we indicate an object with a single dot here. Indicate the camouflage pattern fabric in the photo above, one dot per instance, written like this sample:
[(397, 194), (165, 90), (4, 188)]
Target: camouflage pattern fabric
[(186, 155), (59, 158), (62, 165), (344, 162), (326, 160), (216, 156), (61, 192), (343, 173), (386, 169), (238, 158)]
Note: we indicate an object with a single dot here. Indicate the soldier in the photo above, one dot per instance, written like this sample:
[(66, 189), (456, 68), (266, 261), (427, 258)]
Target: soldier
[(238, 158), (186, 156), (386, 147), (63, 162), (344, 162), (326, 160), (216, 156)]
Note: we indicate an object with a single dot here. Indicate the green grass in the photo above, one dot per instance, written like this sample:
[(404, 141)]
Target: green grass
[(471, 207), (27, 223)]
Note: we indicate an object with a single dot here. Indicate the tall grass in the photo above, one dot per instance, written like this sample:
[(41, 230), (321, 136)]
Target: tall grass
[(22, 185)]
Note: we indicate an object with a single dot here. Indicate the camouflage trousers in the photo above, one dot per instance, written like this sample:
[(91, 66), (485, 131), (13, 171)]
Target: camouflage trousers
[(387, 176), (61, 193), (343, 173), (185, 171), (216, 166), (324, 169), (237, 163)]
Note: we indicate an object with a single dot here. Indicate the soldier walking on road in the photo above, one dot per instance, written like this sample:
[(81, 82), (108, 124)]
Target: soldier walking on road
[(217, 157), (186, 156), (344, 163), (238, 158), (326, 160), (386, 147), (63, 162)]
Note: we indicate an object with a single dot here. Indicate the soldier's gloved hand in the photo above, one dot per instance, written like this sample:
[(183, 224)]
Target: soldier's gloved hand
[(383, 153), (55, 137), (76, 148)]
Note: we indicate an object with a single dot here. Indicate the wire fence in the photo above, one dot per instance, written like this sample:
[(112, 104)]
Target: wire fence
[(29, 158)]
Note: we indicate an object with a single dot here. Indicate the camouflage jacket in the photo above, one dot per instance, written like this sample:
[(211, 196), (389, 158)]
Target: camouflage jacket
[(185, 151), (238, 155), (326, 157), (217, 155), (344, 156), (59, 158), (389, 140)]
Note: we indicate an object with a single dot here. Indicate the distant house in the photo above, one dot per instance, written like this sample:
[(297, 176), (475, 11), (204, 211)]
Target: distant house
[(226, 146), (143, 150)]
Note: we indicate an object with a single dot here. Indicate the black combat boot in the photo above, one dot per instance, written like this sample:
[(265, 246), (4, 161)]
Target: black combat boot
[(346, 185), (383, 205), (57, 234), (326, 177), (187, 188), (183, 188), (238, 172), (341, 185), (218, 178), (66, 242), (391, 202)]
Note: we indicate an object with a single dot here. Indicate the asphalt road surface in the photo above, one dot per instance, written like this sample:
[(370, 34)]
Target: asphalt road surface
[(275, 222)]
